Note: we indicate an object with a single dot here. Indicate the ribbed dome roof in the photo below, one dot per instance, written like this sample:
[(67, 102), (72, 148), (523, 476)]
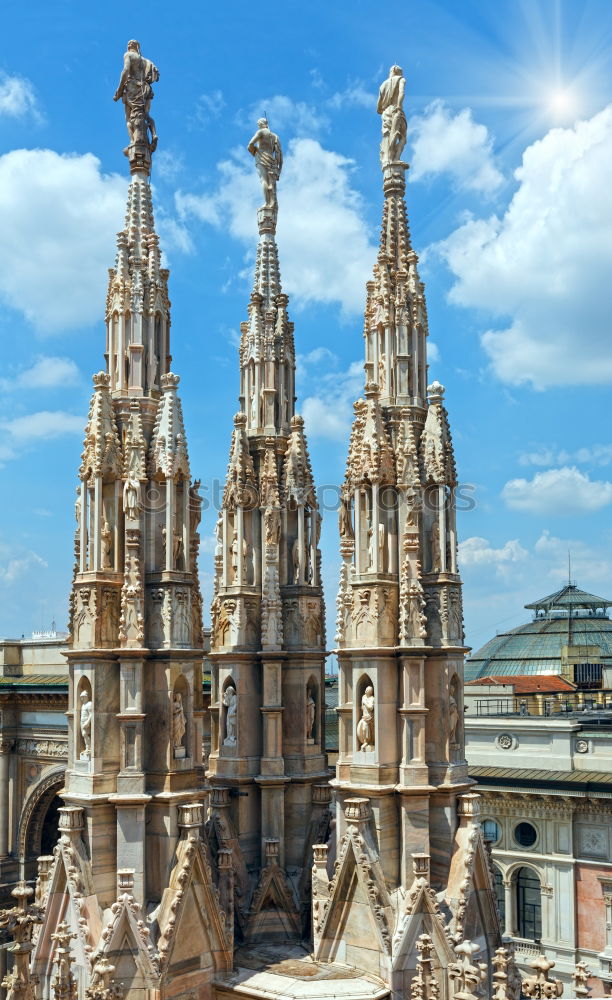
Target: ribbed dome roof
[(569, 617)]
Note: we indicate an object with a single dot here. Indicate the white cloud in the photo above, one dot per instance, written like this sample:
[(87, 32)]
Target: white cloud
[(19, 566), (355, 95), (44, 373), (22, 432), (17, 97), (329, 413), (478, 551), (60, 215), (545, 265), (325, 249), (596, 454), (433, 352), (563, 491), (285, 115), (455, 145), (207, 107)]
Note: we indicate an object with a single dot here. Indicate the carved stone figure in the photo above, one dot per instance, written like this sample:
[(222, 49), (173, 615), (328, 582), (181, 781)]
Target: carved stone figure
[(365, 726), (177, 549), (390, 106), (435, 553), (266, 148), (311, 708), (131, 498), (77, 506), (382, 374), (296, 560), (152, 367), (453, 721), (106, 537), (371, 544), (382, 535), (136, 92), (230, 700), (345, 523), (86, 717), (195, 505), (178, 722)]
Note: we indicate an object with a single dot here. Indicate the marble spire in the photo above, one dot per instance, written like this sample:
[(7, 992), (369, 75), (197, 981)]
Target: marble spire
[(401, 778), (268, 639), (136, 641)]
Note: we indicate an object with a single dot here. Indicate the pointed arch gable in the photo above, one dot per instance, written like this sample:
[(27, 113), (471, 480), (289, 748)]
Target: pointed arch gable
[(274, 914), (35, 806), (192, 901), (358, 896)]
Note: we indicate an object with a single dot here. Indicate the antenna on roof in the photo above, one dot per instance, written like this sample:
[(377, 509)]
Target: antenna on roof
[(569, 567)]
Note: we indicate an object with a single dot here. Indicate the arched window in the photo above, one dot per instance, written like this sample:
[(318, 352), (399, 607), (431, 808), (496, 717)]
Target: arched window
[(500, 894), (528, 905)]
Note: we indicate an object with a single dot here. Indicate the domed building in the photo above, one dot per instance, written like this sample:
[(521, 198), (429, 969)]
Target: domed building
[(569, 636)]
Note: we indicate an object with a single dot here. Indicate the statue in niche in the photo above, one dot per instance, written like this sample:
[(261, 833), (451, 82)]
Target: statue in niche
[(266, 148), (390, 106), (178, 725), (152, 366), (162, 531), (195, 505), (178, 549), (131, 498), (136, 92), (272, 523), (181, 617), (296, 558), (365, 726), (379, 312), (253, 407), (86, 717), (311, 708), (436, 554), (371, 544), (382, 374), (382, 537), (219, 537), (345, 521), (78, 506), (230, 700), (453, 722), (106, 537), (235, 556)]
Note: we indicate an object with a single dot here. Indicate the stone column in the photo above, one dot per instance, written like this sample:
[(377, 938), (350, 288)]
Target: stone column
[(83, 526), (509, 929), (5, 759)]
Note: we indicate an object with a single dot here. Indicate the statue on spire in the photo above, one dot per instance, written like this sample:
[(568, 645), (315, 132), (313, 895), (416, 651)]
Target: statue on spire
[(266, 148), (390, 106), (136, 92)]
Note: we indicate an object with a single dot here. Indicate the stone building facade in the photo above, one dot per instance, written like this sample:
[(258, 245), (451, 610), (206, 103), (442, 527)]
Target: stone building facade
[(547, 814)]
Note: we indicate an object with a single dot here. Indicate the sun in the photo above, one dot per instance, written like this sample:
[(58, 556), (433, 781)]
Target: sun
[(563, 103)]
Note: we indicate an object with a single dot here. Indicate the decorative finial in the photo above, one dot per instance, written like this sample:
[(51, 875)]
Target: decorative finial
[(390, 106), (136, 92), (266, 148)]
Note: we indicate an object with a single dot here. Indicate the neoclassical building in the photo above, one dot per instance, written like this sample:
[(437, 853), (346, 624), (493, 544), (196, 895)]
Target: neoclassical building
[(263, 874), (542, 761)]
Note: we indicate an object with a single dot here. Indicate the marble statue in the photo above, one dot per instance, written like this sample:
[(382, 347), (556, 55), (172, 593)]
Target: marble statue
[(77, 506), (178, 722), (230, 700), (266, 148), (131, 497), (453, 721), (382, 374), (106, 537), (296, 558), (177, 549), (136, 92), (345, 523), (195, 504), (86, 717), (162, 531), (436, 554), (272, 523), (382, 537), (311, 708), (219, 537), (365, 726), (390, 106), (152, 367)]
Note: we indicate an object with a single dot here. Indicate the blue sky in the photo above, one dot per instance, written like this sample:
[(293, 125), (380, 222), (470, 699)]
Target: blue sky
[(510, 207)]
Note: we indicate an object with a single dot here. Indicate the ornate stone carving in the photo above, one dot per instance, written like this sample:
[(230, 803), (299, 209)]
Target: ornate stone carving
[(424, 985), (582, 746), (136, 92), (56, 749), (539, 984), (85, 723), (466, 974), (20, 921), (390, 106), (266, 148), (64, 985), (365, 726), (506, 741)]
